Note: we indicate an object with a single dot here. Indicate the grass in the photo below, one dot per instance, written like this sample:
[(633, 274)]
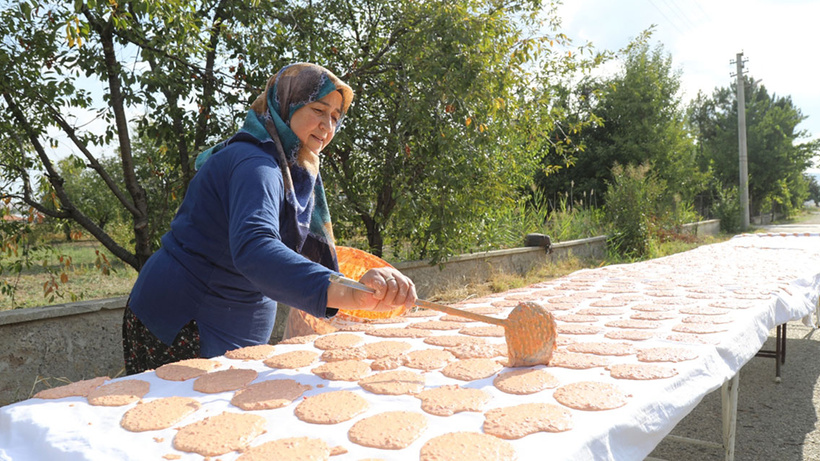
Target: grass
[(83, 280)]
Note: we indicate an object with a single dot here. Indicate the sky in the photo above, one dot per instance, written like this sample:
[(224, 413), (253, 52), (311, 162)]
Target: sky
[(778, 38)]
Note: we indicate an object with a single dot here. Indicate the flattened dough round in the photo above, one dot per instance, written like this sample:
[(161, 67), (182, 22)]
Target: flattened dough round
[(453, 340), (525, 381), (396, 382), (289, 449), (521, 420), (75, 389), (381, 349), (158, 414), (220, 434), (337, 341), (258, 352), (267, 395), (399, 332), (590, 395), (427, 359), (471, 369), (641, 371), (488, 330), (186, 369), (224, 380), (450, 399), (577, 361), (666, 354), (343, 370), (330, 407), (119, 393), (392, 430), (467, 445), (602, 348), (292, 359)]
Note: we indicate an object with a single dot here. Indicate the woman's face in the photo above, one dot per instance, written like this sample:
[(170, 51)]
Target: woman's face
[(315, 123)]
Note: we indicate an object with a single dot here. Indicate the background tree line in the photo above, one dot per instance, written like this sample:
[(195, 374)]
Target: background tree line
[(465, 110)]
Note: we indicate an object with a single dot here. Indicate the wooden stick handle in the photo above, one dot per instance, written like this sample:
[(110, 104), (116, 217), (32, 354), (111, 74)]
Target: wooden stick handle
[(350, 283)]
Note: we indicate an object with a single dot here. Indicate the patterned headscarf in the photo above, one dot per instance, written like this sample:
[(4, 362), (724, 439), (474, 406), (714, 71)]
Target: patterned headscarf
[(309, 231)]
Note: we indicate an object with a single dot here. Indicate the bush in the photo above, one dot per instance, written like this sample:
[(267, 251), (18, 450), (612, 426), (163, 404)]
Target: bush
[(630, 202), (727, 209)]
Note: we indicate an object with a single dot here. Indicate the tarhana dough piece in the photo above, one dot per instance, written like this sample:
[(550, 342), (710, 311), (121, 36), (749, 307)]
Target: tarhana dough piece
[(633, 324), (382, 349), (436, 325), (478, 351), (258, 352), (699, 328), (224, 380), (577, 329), (292, 359), (453, 340), (666, 354), (525, 419), (345, 353), (427, 359), (641, 371), (337, 341), (290, 449), (472, 369), (119, 393), (467, 445), (330, 407), (577, 361), (602, 348), (392, 430), (299, 339), (525, 381), (450, 399), (75, 389), (267, 395), (590, 395), (394, 382), (630, 335), (158, 414), (489, 330), (387, 363), (186, 369), (343, 370), (399, 332), (217, 435)]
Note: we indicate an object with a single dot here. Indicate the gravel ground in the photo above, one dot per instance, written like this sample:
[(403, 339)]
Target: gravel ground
[(775, 421)]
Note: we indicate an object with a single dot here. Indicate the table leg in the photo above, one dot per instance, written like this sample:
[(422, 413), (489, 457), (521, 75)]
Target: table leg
[(728, 394)]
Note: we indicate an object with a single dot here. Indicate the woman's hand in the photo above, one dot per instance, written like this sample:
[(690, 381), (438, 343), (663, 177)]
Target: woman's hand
[(393, 290)]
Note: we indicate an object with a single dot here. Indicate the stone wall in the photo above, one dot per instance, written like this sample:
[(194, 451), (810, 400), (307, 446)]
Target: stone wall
[(41, 347)]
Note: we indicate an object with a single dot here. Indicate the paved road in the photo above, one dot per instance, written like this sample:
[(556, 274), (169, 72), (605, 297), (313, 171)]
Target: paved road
[(775, 421)]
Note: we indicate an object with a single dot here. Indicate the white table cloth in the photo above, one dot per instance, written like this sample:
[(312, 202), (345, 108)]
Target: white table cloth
[(777, 276)]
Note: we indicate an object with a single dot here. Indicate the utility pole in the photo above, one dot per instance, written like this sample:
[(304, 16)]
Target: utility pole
[(741, 141)]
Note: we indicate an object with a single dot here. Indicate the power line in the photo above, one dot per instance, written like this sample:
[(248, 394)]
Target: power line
[(666, 17)]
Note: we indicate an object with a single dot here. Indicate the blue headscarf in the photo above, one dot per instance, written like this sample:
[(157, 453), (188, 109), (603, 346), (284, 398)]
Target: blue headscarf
[(307, 214)]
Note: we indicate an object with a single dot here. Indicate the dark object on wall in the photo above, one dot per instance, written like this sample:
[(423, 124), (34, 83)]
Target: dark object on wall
[(538, 240)]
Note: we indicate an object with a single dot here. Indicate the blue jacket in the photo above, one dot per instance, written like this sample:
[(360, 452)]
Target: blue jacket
[(225, 262)]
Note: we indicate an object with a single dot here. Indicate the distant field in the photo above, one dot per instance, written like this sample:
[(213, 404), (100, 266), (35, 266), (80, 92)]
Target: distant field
[(84, 280)]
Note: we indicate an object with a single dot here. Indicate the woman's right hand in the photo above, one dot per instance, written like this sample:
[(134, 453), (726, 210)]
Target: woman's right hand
[(392, 290)]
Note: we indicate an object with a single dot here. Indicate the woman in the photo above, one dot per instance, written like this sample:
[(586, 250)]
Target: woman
[(253, 230)]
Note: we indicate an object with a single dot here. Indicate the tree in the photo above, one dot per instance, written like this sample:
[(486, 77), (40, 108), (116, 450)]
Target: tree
[(439, 133), (639, 119), (776, 157)]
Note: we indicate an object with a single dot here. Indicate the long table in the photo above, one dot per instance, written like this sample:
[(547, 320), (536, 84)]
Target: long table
[(754, 282)]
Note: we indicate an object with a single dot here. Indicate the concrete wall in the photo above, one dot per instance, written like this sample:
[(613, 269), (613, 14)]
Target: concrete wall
[(41, 346)]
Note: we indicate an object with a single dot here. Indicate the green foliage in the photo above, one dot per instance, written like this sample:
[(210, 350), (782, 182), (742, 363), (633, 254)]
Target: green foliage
[(727, 209), (774, 148), (630, 208), (638, 118)]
